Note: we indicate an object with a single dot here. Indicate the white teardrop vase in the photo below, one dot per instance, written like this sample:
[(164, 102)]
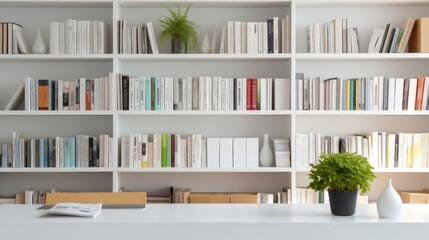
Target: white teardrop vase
[(39, 46), (266, 158), (389, 203)]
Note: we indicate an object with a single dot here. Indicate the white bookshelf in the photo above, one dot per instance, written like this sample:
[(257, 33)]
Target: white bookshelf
[(207, 14)]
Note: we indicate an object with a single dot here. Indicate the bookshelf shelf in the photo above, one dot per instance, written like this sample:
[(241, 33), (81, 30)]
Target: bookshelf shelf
[(56, 113), (202, 57), (361, 56), (205, 170), (382, 170), (361, 113), (55, 170), (56, 57), (204, 113)]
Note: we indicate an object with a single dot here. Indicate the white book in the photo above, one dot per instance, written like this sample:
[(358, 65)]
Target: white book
[(316, 37), (124, 152), (263, 93), (276, 35), (162, 94), (239, 152), (243, 37), (261, 37), (215, 82), (152, 38), (225, 149), (412, 91), (391, 95), (96, 94), (196, 151), (54, 38), (136, 94), (237, 37), (17, 98), (204, 153), (213, 152), (399, 89), (338, 35), (60, 95), (265, 37), (82, 95), (425, 94), (75, 209), (252, 40), (252, 152), (230, 37), (131, 154)]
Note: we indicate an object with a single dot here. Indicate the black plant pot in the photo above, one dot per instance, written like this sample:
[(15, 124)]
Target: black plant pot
[(343, 203), (178, 46)]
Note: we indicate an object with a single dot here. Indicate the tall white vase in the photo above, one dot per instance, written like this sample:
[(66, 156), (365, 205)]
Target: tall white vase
[(389, 203), (39, 46), (266, 158), (205, 44)]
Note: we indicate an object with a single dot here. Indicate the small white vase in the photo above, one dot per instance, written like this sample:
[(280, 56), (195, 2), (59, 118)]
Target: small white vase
[(389, 203), (205, 44), (39, 46), (266, 158)]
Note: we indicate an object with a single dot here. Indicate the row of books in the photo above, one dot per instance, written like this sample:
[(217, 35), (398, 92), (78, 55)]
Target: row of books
[(12, 39), (389, 39), (67, 95), (201, 93), (383, 150), (78, 37), (174, 150), (30, 196), (136, 40), (333, 37), (58, 152), (271, 36), (366, 93)]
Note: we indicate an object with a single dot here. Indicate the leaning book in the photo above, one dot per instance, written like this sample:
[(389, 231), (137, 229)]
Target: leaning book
[(76, 209)]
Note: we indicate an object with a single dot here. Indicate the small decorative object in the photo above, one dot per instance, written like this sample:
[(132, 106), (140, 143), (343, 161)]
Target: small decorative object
[(343, 175), (39, 46), (180, 30), (389, 203), (266, 155), (205, 45)]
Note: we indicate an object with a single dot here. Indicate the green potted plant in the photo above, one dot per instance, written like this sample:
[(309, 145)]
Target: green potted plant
[(180, 30), (343, 175)]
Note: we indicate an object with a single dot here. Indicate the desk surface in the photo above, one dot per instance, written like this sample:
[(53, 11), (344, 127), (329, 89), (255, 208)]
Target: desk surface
[(215, 222)]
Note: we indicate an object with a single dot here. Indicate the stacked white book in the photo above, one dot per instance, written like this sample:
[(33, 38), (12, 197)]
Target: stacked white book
[(78, 37), (282, 152), (136, 40), (333, 37)]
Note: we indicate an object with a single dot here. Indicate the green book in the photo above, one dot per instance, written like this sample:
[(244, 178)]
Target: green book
[(169, 150), (164, 150)]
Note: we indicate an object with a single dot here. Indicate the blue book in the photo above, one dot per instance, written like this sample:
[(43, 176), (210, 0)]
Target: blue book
[(41, 152), (16, 149), (66, 152), (4, 155), (72, 151), (46, 152), (147, 94), (158, 93)]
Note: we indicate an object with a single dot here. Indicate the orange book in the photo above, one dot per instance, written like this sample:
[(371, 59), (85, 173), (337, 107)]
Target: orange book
[(43, 95), (419, 94)]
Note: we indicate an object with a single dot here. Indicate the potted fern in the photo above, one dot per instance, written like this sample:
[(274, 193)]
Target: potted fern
[(343, 175), (180, 30)]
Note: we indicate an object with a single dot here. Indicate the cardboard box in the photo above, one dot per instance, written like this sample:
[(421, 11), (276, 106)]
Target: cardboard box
[(414, 197), (223, 198), (97, 197), (419, 39)]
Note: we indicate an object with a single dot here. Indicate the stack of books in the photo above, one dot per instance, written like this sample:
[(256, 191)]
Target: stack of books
[(12, 39), (281, 152), (390, 39)]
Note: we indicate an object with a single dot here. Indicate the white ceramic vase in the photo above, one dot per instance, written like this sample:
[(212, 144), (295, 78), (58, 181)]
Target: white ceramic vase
[(39, 46), (266, 158), (205, 44), (389, 203)]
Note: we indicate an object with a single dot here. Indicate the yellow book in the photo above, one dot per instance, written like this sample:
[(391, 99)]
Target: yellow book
[(348, 94)]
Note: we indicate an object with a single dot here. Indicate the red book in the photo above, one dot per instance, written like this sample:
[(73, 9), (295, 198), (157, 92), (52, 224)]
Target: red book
[(254, 98), (249, 94), (419, 94), (88, 95)]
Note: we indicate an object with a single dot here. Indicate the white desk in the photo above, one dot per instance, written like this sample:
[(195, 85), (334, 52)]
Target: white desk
[(215, 222)]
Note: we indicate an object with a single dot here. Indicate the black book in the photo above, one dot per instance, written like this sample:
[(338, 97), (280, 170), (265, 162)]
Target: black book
[(125, 92), (95, 153), (28, 153), (91, 149), (270, 24), (52, 152), (235, 100), (36, 153), (77, 102)]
